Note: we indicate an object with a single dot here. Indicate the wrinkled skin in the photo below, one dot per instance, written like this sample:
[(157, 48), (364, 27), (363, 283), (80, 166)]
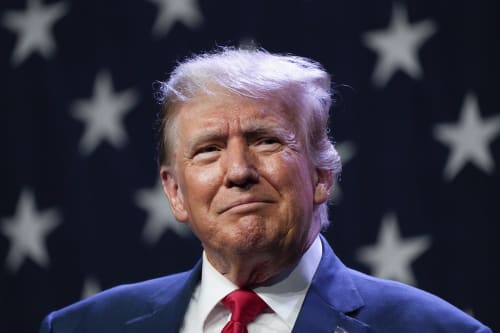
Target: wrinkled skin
[(241, 178)]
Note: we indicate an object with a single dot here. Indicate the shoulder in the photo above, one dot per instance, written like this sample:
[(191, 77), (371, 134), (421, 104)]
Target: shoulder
[(130, 296), (104, 310), (396, 307)]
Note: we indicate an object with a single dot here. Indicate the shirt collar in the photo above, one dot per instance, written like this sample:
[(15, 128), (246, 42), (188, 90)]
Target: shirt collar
[(285, 297), (213, 288)]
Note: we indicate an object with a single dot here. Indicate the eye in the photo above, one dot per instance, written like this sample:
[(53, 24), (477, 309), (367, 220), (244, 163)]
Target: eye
[(268, 144), (207, 150), (268, 141), (203, 155)]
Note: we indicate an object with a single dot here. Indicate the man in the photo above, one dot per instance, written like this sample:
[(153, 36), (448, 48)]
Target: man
[(246, 161)]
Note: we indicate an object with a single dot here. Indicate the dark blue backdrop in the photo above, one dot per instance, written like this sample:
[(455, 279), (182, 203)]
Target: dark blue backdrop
[(417, 124)]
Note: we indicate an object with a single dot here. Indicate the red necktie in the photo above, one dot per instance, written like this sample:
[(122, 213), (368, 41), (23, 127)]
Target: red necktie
[(245, 305)]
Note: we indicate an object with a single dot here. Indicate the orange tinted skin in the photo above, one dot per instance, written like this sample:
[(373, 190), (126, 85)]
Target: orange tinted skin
[(241, 178)]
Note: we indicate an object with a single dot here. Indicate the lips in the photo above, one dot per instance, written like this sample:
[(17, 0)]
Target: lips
[(243, 203)]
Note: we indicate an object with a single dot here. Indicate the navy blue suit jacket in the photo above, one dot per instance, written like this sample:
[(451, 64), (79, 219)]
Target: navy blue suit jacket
[(339, 300)]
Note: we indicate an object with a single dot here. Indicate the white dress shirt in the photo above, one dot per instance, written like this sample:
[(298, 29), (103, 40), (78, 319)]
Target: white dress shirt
[(205, 313)]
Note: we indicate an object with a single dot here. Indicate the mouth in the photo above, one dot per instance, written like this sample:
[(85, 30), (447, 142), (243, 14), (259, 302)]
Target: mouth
[(245, 205)]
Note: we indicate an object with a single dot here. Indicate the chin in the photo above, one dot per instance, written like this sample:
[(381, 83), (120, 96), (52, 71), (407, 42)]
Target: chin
[(252, 242)]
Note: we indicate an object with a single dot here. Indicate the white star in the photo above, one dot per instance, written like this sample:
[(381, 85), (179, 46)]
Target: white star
[(398, 45), (160, 217), (33, 29), (186, 11), (27, 231), (391, 257), (346, 150), (103, 114), (90, 287), (468, 139)]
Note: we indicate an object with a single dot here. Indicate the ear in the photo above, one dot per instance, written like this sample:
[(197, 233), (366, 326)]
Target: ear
[(323, 185), (174, 194)]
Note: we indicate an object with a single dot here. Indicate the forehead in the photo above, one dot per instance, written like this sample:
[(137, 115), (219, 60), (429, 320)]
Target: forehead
[(224, 110)]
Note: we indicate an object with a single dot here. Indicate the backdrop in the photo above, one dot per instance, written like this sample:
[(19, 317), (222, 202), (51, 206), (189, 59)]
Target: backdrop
[(417, 123)]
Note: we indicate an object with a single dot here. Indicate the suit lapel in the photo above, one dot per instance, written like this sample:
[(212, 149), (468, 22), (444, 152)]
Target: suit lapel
[(331, 296), (167, 308)]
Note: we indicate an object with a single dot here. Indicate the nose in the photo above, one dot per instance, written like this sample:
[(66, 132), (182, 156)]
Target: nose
[(240, 168)]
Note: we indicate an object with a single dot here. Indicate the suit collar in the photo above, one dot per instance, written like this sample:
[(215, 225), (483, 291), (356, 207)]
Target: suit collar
[(167, 307), (331, 297)]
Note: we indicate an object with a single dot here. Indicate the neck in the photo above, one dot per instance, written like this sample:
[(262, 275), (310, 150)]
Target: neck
[(252, 270)]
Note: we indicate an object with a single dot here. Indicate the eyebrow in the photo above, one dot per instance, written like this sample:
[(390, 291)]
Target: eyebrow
[(210, 134), (250, 130), (267, 129)]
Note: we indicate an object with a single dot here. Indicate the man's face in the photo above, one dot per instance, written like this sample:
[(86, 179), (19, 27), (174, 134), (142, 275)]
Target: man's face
[(241, 177)]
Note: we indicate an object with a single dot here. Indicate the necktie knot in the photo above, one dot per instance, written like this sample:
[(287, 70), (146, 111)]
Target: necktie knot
[(245, 306)]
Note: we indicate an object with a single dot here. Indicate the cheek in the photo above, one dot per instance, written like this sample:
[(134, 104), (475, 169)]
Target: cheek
[(206, 176), (290, 175), (294, 171), (201, 184)]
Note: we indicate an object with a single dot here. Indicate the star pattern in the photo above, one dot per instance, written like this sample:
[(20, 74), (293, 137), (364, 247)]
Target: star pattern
[(469, 139), (397, 47), (27, 231), (48, 44), (103, 114), (171, 11), (391, 256), (33, 29), (90, 287), (160, 218), (347, 151)]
